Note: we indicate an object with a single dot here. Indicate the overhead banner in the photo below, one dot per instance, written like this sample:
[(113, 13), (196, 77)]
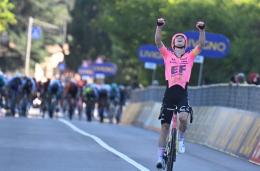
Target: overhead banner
[(216, 45)]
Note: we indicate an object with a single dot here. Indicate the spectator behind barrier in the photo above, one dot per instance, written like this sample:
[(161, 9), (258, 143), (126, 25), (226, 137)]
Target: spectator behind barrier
[(239, 78), (253, 78)]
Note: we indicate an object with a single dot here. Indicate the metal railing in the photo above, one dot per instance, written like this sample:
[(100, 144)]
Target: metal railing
[(245, 97)]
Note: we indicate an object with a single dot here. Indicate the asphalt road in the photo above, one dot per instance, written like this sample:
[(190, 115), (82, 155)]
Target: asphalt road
[(44, 144)]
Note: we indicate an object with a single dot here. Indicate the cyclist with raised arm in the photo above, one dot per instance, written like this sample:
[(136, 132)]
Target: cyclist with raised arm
[(178, 66)]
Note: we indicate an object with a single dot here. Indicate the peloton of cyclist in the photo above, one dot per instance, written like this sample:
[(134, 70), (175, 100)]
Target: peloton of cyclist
[(178, 66)]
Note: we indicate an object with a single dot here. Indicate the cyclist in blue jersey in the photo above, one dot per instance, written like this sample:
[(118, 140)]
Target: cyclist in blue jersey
[(14, 87), (55, 91), (3, 83)]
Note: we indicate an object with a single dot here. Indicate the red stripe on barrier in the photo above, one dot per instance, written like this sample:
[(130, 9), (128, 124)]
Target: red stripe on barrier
[(255, 158)]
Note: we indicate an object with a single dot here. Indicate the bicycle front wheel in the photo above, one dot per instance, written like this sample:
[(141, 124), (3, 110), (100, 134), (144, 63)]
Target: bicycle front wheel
[(172, 154)]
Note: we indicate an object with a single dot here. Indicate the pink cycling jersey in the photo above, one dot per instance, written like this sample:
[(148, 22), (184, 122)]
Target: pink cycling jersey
[(178, 70)]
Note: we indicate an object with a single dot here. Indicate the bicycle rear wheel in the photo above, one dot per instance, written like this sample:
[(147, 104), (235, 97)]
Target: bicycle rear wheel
[(171, 156)]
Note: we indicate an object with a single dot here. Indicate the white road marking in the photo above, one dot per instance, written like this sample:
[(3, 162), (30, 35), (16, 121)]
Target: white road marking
[(105, 146)]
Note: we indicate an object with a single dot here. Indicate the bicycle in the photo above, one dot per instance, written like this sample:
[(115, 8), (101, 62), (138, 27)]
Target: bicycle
[(171, 146)]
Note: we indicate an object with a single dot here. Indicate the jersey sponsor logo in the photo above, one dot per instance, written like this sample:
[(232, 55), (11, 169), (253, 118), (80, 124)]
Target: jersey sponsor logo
[(178, 70)]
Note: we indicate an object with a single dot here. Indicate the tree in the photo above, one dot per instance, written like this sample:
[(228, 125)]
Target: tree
[(58, 14), (89, 39), (130, 24), (6, 16)]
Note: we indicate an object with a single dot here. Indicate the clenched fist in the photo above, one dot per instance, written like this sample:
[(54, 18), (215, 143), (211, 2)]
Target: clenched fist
[(161, 22), (200, 25)]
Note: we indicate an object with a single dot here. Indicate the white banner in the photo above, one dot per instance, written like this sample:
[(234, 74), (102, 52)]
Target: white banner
[(199, 59), (150, 65)]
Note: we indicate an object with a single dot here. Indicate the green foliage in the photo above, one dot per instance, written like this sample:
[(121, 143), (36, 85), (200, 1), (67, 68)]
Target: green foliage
[(6, 16), (51, 11), (89, 39), (130, 24)]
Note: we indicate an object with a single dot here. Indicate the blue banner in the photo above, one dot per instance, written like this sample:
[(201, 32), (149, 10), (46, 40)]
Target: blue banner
[(108, 69), (86, 71), (216, 45), (149, 53)]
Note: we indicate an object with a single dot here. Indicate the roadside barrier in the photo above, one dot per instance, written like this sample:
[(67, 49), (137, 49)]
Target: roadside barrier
[(230, 130)]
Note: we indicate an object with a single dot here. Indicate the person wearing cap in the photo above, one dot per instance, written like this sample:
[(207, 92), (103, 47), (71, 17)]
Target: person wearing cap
[(178, 66)]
